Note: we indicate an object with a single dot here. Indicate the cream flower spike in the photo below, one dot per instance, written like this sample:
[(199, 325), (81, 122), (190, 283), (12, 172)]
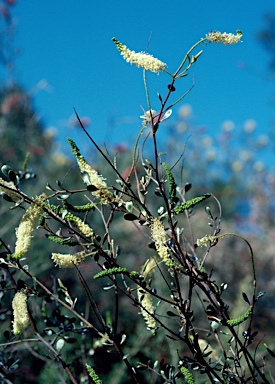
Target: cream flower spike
[(207, 240), (224, 38), (159, 237), (24, 232), (91, 177), (140, 59), (20, 312), (148, 309), (68, 261)]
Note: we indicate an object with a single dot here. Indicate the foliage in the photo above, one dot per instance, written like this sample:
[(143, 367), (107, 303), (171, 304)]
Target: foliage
[(138, 284)]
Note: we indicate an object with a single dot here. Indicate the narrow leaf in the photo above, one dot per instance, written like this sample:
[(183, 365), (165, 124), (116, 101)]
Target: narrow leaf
[(187, 187), (172, 314), (246, 298), (130, 217), (260, 294)]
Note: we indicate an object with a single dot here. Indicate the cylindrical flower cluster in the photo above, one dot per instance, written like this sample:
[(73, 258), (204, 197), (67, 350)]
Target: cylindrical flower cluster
[(140, 59), (26, 227), (68, 261), (224, 38), (91, 177), (80, 225), (159, 237), (146, 301), (207, 240), (20, 312)]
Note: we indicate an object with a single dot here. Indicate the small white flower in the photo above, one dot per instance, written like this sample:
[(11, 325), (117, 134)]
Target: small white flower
[(148, 115), (262, 140), (246, 155), (250, 125), (185, 111), (259, 166), (237, 166), (211, 155), (154, 117), (228, 125), (207, 141)]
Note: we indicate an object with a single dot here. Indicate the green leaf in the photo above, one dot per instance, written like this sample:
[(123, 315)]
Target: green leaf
[(13, 177), (70, 340), (270, 352), (130, 217), (5, 170), (91, 187), (246, 298), (172, 314), (187, 187), (260, 294), (60, 344)]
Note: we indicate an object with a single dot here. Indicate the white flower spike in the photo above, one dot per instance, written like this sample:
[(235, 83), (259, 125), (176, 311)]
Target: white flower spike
[(140, 59), (224, 38)]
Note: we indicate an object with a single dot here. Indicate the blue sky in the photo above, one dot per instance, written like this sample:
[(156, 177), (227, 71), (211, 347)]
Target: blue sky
[(68, 43)]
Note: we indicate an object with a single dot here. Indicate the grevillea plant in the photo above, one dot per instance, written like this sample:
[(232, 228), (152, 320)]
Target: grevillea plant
[(160, 313)]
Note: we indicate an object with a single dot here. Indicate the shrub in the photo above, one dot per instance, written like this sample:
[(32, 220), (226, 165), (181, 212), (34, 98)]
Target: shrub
[(147, 296)]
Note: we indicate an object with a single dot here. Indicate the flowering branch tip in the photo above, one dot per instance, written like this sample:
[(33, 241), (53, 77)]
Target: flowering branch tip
[(140, 59), (224, 38)]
